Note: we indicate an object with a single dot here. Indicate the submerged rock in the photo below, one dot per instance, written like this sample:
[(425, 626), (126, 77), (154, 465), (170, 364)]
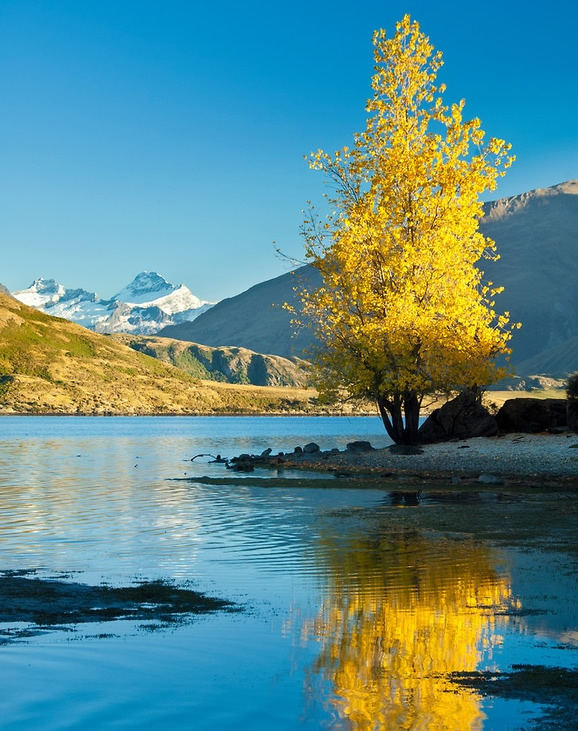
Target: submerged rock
[(488, 479)]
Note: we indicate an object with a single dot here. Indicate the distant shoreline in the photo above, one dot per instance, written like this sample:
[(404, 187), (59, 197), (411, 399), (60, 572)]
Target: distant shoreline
[(264, 414)]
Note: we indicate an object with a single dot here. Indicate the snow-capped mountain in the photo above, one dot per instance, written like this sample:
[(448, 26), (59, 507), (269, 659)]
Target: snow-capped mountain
[(150, 289), (143, 307)]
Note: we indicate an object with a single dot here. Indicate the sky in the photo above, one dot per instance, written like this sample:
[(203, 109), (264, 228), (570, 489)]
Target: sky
[(170, 135)]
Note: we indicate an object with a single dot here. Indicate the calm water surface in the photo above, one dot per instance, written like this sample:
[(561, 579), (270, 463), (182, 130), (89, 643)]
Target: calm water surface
[(353, 607)]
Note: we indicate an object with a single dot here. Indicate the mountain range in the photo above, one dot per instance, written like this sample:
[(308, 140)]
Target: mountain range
[(144, 306), (51, 365), (537, 238)]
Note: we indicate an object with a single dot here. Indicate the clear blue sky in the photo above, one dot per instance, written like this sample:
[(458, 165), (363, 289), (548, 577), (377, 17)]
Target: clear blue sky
[(169, 135)]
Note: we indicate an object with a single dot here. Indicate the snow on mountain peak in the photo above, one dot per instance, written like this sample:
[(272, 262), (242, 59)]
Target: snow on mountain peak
[(150, 289), (144, 306), (41, 292), (145, 284)]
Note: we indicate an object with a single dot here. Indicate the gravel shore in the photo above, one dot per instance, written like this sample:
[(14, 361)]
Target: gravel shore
[(532, 457)]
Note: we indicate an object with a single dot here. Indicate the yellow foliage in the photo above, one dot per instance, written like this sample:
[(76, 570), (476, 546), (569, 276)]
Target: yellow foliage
[(397, 620), (403, 310)]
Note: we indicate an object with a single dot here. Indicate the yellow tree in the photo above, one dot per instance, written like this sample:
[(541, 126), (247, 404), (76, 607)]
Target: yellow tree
[(402, 310)]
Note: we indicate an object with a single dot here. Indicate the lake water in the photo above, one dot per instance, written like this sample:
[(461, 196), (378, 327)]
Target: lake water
[(353, 607)]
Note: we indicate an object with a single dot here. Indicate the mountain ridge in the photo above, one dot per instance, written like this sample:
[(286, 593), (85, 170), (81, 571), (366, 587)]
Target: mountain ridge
[(148, 303), (254, 319), (229, 365), (537, 238)]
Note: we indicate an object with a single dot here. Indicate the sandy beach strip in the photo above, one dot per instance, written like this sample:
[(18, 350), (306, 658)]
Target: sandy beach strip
[(540, 458)]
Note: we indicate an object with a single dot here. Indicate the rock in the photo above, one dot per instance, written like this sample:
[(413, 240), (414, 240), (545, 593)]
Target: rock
[(461, 418), (311, 448), (243, 467), (298, 450), (242, 458), (488, 479), (359, 447), (242, 463), (530, 415), (266, 452)]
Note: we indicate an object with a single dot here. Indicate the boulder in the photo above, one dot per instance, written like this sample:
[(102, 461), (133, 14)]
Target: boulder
[(311, 448), (359, 446), (530, 415), (463, 417), (242, 463)]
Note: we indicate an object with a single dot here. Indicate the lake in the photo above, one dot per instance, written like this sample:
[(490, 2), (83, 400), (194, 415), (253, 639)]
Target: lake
[(352, 607)]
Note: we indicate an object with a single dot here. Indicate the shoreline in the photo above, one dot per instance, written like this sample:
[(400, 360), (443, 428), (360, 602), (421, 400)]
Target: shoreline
[(260, 414), (533, 460)]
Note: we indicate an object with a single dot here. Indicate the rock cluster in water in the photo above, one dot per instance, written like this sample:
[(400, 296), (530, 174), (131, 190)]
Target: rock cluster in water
[(248, 462)]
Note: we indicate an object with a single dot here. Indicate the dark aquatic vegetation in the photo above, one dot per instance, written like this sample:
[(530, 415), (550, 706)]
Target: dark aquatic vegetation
[(554, 687), (45, 603)]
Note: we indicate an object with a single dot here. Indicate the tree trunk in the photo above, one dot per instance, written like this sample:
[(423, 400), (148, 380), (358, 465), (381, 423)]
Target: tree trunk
[(572, 414), (411, 406), (392, 411)]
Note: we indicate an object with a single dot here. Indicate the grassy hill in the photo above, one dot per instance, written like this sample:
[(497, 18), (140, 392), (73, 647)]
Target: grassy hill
[(50, 365), (230, 365)]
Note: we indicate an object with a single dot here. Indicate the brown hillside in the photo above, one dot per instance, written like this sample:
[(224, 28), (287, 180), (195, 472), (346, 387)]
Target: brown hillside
[(50, 365), (224, 364)]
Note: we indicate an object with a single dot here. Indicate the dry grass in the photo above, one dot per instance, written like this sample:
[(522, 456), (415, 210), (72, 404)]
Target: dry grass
[(50, 365)]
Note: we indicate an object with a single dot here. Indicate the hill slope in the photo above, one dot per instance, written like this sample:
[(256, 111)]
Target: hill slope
[(254, 319), (230, 365), (51, 365), (537, 238), (558, 362)]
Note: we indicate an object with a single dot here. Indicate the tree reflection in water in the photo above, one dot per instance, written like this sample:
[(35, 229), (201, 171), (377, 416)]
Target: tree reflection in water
[(399, 613)]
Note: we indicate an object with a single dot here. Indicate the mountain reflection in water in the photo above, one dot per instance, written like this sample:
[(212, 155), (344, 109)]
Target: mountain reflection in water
[(399, 613)]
